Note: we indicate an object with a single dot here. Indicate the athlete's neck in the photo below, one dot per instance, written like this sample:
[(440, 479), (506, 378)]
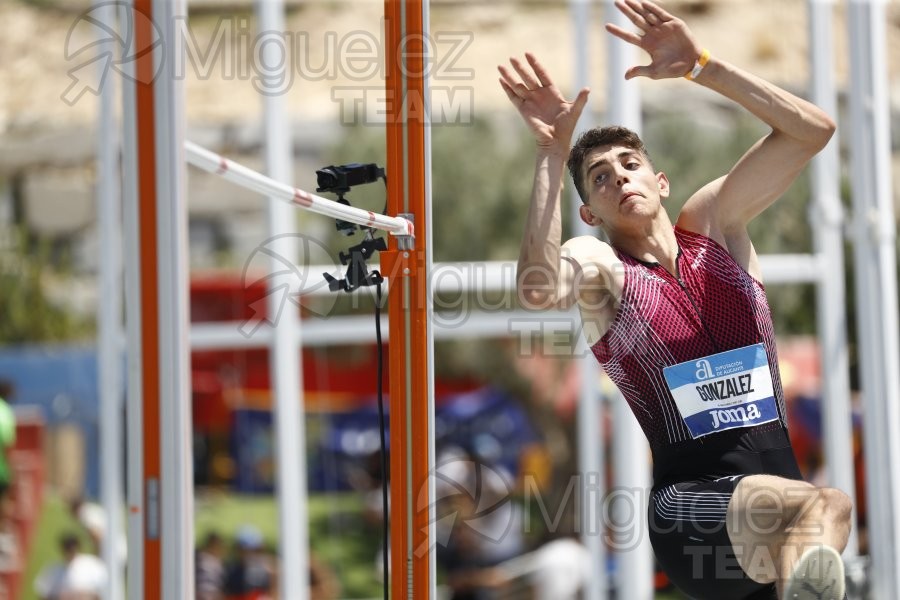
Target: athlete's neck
[(653, 242)]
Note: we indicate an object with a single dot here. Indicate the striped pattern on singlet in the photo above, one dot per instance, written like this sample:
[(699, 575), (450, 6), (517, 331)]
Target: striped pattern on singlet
[(660, 322)]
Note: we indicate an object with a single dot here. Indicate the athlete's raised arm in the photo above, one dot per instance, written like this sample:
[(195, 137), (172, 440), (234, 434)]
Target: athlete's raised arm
[(549, 274), (722, 208)]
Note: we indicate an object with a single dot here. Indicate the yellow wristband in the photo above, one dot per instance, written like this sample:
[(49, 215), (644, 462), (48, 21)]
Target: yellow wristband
[(698, 66)]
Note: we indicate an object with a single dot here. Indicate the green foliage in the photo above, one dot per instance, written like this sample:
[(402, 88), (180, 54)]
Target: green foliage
[(481, 182), (28, 315), (692, 156), (481, 187)]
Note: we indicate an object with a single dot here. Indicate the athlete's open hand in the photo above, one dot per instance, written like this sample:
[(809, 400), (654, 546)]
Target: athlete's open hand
[(671, 45), (548, 114)]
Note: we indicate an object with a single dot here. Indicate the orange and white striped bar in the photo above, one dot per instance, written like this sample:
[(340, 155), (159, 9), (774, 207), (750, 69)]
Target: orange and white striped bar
[(248, 178)]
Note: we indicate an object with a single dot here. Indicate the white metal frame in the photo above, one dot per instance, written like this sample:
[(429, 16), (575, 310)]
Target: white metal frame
[(109, 320), (874, 236), (133, 429), (826, 219), (875, 239), (284, 351), (631, 452), (591, 450)]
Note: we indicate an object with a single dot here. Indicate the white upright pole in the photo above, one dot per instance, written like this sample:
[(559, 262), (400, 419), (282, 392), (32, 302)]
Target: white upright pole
[(876, 285), (429, 295), (590, 443), (827, 218), (176, 485), (634, 556), (134, 449), (109, 318), (284, 352)]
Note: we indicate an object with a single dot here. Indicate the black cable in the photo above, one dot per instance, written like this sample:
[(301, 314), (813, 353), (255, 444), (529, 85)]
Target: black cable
[(384, 211), (381, 427)]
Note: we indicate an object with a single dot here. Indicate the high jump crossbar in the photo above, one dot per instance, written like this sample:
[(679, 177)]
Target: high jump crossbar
[(247, 178)]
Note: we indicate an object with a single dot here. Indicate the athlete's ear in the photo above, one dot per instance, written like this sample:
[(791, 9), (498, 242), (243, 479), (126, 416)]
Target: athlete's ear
[(588, 216), (663, 183)]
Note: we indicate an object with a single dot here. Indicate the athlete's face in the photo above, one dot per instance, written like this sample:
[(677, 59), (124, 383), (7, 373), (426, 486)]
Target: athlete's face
[(622, 187)]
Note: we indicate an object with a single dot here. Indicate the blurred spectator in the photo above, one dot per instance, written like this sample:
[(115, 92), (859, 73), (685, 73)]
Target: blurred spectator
[(10, 553), (92, 516), (470, 575), (477, 517), (364, 474), (250, 574), (7, 436), (210, 565), (323, 583), (78, 577), (365, 477), (560, 570)]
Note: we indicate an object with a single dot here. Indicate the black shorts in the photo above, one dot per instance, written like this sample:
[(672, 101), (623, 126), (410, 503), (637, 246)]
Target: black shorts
[(691, 543), (687, 517)]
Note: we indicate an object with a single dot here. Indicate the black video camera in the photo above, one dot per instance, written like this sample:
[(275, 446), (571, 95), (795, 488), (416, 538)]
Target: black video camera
[(339, 179)]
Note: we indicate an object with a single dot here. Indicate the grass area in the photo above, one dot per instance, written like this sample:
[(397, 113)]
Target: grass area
[(670, 595), (54, 521), (339, 535)]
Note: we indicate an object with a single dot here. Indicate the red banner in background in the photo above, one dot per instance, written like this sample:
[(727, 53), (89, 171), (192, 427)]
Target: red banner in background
[(26, 501)]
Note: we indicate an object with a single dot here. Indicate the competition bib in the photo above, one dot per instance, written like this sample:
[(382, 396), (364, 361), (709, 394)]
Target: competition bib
[(723, 391)]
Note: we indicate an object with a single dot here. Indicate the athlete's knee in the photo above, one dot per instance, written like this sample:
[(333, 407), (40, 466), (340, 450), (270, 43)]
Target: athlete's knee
[(836, 505), (824, 509)]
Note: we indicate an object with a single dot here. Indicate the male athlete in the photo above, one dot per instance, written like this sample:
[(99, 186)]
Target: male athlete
[(679, 320)]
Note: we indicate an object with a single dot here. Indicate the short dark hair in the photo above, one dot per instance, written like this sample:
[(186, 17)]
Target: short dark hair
[(7, 389), (594, 138), (69, 541), (212, 538)]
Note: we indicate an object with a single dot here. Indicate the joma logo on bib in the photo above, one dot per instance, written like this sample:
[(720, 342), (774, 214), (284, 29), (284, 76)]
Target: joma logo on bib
[(740, 414)]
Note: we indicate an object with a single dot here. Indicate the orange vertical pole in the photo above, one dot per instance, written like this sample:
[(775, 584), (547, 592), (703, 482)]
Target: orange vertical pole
[(407, 310), (147, 195), (396, 327), (415, 176)]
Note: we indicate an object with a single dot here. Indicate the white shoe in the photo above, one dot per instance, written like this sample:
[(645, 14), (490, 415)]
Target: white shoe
[(818, 575)]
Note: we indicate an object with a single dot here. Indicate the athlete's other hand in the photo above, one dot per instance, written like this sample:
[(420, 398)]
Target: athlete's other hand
[(549, 115), (671, 45)]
